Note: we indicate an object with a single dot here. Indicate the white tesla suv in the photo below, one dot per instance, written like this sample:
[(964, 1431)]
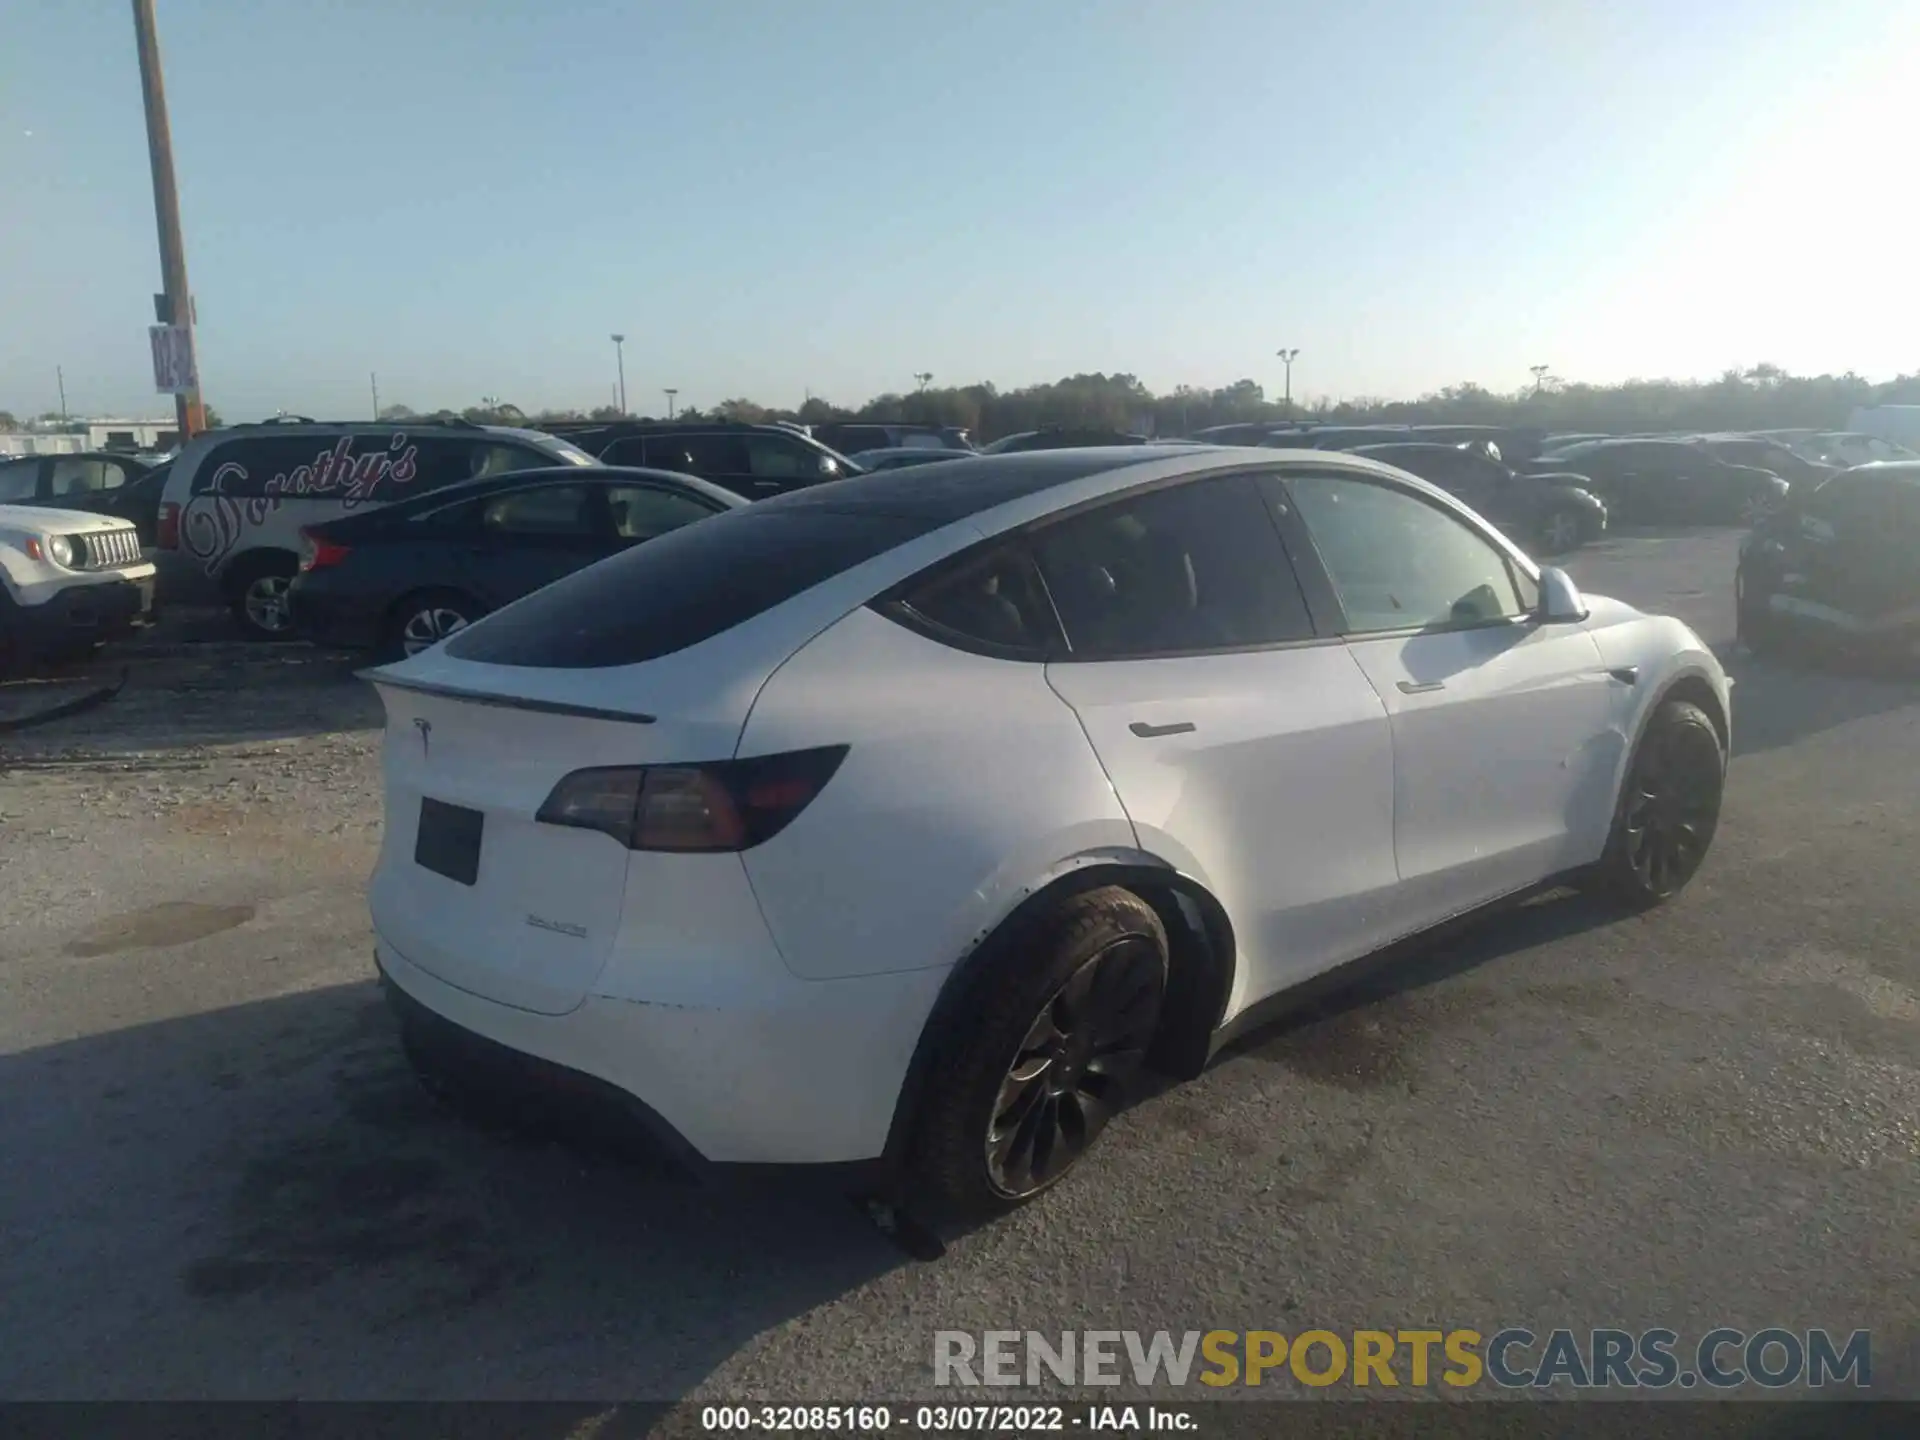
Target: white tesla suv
[(900, 821)]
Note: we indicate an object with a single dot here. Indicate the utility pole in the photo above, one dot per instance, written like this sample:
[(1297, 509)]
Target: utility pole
[(374, 381), (178, 300), (670, 392), (620, 359), (1539, 377), (1287, 358), (60, 378)]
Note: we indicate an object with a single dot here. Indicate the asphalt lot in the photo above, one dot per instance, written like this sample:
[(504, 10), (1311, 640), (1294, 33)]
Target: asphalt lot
[(220, 1179)]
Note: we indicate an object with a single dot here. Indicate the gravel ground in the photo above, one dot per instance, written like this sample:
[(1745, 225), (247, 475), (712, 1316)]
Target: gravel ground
[(222, 1181)]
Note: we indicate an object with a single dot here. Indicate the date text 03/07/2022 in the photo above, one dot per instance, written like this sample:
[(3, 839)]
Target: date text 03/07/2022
[(943, 1418)]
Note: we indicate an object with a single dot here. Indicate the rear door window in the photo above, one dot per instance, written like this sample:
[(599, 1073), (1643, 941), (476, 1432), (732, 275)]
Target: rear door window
[(1195, 567), (540, 510), (687, 586)]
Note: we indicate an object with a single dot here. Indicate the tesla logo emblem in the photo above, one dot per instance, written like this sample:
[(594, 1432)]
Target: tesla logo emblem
[(425, 727)]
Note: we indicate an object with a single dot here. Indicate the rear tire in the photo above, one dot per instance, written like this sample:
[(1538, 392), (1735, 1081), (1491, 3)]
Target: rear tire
[(1668, 810), (422, 620), (1057, 1026), (257, 593)]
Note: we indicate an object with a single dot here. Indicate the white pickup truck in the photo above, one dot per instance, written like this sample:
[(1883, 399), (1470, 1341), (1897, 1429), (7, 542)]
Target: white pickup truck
[(69, 582)]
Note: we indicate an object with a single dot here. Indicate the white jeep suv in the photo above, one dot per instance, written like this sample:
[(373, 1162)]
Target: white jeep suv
[(905, 819), (69, 581)]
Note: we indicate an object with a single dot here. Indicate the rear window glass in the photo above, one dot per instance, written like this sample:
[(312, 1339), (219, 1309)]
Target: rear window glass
[(680, 589)]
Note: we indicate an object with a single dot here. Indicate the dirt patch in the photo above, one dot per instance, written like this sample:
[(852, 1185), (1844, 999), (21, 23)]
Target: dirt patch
[(173, 922)]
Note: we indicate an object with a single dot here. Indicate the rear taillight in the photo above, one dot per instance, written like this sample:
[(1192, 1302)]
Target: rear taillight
[(317, 554), (167, 528), (723, 805)]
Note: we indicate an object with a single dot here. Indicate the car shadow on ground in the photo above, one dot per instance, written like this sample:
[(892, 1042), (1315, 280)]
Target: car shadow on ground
[(207, 1178), (1347, 1027), (1777, 703)]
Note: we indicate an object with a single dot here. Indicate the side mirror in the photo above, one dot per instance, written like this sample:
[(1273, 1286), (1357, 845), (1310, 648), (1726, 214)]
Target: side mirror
[(829, 467), (1560, 599)]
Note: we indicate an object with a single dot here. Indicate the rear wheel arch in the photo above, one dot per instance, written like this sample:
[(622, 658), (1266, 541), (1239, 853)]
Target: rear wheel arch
[(1200, 948), (250, 565)]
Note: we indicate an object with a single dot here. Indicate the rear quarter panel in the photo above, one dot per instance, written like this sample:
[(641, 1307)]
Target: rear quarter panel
[(968, 784)]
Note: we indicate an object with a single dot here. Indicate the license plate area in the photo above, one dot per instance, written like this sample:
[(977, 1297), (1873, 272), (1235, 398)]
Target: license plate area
[(448, 840)]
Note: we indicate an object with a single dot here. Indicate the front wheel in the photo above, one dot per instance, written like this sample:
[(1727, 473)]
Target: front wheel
[(1056, 1031), (1669, 808)]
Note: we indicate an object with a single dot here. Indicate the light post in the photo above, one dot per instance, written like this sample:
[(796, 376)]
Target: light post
[(620, 360), (925, 377), (670, 392), (1286, 359), (1539, 377)]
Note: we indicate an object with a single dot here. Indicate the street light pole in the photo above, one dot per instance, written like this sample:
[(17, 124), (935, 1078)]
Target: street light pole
[(670, 392), (166, 208), (925, 377), (373, 380), (1539, 377), (1286, 359), (620, 359)]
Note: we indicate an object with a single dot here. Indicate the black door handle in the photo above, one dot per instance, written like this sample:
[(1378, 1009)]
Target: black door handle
[(1148, 732)]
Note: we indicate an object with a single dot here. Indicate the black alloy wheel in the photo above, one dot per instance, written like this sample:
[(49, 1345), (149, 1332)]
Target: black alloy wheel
[(1065, 1083), (1672, 803)]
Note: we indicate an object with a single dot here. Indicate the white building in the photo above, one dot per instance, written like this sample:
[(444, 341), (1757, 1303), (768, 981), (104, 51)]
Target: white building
[(81, 435)]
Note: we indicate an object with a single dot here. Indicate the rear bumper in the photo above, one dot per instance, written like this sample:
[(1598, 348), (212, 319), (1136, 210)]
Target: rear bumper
[(806, 1073), (86, 614)]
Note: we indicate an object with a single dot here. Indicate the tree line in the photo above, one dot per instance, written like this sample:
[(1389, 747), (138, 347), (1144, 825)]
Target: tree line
[(1762, 397)]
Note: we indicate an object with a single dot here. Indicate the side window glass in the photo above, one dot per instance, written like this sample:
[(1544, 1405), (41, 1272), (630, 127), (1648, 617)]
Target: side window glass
[(20, 480), (994, 599), (771, 458), (504, 459), (1194, 567), (640, 512), (545, 510), (1398, 563), (703, 455), (77, 475)]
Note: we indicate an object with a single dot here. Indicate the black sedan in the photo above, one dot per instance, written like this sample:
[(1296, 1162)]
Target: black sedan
[(1667, 482), (1832, 572), (406, 576), (1545, 513)]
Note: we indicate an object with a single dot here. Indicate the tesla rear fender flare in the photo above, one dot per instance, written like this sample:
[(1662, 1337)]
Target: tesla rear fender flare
[(1200, 980)]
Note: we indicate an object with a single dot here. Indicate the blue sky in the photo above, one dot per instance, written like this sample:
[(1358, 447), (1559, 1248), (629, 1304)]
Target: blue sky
[(468, 196)]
